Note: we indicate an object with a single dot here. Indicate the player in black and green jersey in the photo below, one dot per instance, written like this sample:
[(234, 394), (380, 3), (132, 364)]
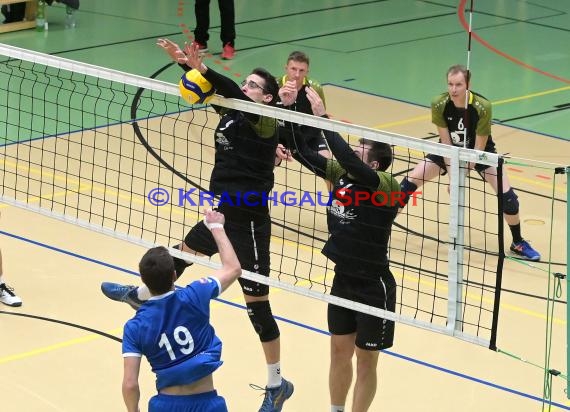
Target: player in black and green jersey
[(360, 229), (448, 114), (245, 146), (296, 78)]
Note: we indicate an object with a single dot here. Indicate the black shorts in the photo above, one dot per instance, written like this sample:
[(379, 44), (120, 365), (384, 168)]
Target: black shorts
[(372, 333), (439, 160), (249, 230)]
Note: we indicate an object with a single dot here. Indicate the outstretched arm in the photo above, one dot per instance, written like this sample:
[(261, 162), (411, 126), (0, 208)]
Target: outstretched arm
[(344, 154), (231, 268), (190, 58)]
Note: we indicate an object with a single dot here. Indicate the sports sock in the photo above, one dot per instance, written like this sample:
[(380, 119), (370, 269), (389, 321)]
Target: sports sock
[(274, 378), (143, 293), (516, 232)]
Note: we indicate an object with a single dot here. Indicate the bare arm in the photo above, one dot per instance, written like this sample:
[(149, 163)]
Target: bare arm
[(288, 93), (131, 390), (231, 268), (444, 138)]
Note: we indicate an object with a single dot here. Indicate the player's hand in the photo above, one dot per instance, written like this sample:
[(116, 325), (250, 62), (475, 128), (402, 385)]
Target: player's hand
[(282, 153), (173, 50), (194, 57), (317, 104), (214, 219), (288, 93)]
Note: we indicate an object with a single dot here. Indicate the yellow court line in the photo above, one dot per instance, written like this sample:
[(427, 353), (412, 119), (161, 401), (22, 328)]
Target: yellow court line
[(531, 95), (93, 336), (401, 122), (239, 299), (50, 348), (495, 103), (535, 182), (477, 297)]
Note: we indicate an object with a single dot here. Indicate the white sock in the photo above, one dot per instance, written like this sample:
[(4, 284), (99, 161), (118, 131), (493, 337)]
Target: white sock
[(274, 375), (335, 408), (143, 293)]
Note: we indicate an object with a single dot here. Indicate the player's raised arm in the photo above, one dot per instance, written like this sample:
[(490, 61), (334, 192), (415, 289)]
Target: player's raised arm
[(231, 268)]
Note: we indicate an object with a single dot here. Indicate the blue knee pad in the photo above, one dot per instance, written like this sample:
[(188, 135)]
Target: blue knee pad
[(262, 320), (510, 203)]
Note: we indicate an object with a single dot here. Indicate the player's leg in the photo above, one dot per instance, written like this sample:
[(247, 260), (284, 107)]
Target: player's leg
[(198, 241), (227, 20), (251, 239), (372, 335), (202, 12), (340, 370), (519, 246), (342, 326), (366, 379), (426, 170)]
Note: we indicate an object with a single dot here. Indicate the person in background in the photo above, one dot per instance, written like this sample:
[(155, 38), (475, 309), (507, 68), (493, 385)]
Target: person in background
[(227, 19)]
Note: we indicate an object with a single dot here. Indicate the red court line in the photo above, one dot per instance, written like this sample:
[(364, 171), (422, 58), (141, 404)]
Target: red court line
[(543, 177), (461, 14), (512, 169)]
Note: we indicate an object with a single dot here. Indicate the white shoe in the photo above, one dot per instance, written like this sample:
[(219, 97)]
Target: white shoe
[(8, 297)]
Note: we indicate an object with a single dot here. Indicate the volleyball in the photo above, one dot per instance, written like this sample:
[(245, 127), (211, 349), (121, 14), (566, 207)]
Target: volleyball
[(194, 88)]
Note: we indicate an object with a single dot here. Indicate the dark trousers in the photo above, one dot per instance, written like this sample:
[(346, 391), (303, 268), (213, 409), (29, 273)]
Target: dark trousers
[(227, 17)]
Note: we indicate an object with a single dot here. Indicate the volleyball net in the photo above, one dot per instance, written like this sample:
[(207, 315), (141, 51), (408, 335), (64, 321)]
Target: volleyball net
[(123, 155)]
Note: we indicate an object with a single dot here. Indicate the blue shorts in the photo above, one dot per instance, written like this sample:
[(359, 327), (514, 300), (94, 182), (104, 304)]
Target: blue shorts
[(202, 402)]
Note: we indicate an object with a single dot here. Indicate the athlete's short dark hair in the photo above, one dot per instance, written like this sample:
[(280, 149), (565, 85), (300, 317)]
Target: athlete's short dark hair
[(380, 152), (157, 270), (298, 56), (459, 68), (271, 87)]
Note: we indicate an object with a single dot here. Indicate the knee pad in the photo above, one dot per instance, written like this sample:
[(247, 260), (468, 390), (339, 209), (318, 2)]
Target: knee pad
[(406, 188), (510, 203), (179, 264), (262, 320)]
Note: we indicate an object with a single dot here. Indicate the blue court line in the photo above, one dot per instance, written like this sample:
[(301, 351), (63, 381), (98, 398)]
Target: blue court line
[(311, 328)]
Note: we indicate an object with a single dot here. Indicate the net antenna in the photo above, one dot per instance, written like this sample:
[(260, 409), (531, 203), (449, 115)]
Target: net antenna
[(102, 149)]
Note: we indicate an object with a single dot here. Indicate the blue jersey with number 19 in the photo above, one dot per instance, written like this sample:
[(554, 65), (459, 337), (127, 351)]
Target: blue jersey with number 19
[(173, 331)]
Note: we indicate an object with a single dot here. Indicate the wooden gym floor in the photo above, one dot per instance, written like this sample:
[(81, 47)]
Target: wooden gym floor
[(59, 351)]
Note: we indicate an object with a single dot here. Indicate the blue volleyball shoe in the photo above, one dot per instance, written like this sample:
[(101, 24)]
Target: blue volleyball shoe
[(525, 251), (122, 293)]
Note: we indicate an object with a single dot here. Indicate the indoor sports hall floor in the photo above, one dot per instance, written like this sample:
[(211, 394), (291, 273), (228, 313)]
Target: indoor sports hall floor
[(381, 62)]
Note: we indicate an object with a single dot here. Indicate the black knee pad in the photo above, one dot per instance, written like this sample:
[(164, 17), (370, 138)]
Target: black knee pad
[(510, 202), (407, 187), (262, 320), (179, 264)]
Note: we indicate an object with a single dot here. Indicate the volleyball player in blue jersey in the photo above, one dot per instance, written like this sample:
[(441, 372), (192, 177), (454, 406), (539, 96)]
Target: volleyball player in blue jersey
[(172, 329)]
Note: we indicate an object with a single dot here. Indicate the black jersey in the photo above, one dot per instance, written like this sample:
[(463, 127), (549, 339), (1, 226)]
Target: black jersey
[(301, 105), (445, 114), (360, 229), (245, 154), (245, 146)]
